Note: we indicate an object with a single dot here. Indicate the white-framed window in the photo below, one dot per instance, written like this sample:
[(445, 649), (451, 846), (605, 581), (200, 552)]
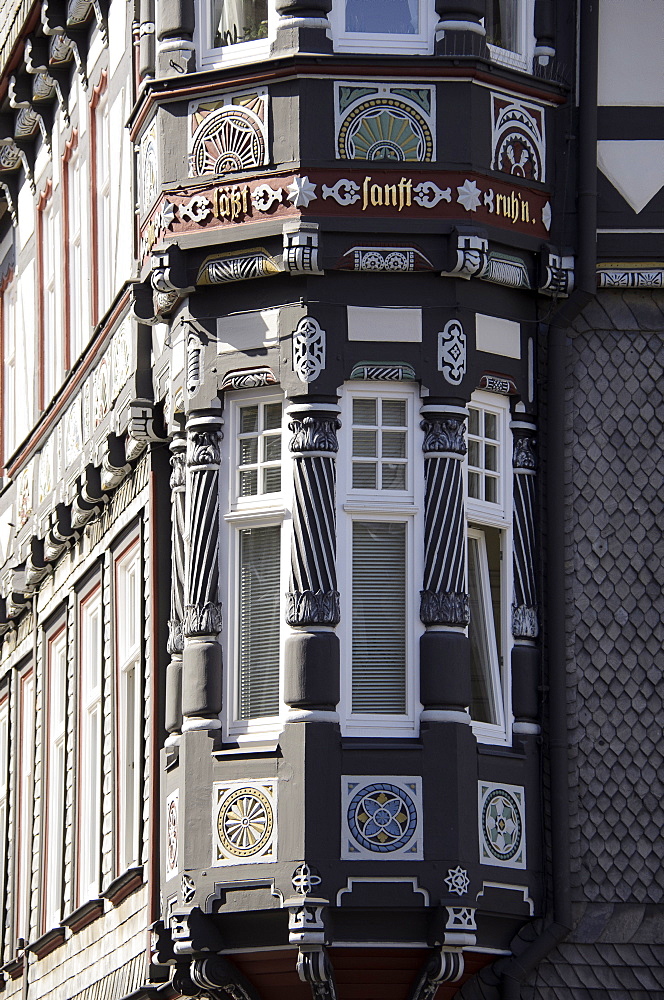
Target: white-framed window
[(256, 562), (78, 304), (89, 744), (51, 328), (489, 541), (24, 794), (129, 703), (9, 373), (55, 712), (104, 233), (234, 31), (379, 557), (4, 791), (510, 34), (399, 26)]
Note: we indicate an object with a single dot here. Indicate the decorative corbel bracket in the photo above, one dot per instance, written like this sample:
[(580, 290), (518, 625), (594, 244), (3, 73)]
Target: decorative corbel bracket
[(556, 273), (472, 256), (169, 280), (444, 966), (301, 247), (142, 428)]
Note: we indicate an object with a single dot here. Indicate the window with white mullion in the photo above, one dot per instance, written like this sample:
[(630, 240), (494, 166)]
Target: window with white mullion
[(129, 703), (4, 789), (235, 30), (383, 25), (55, 772), (104, 223), (23, 832), (9, 374), (489, 540), (51, 331), (509, 26), (257, 563), (377, 544), (78, 286), (90, 745)]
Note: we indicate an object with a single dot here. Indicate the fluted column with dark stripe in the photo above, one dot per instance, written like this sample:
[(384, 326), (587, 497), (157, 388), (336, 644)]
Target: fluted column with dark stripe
[(201, 673), (444, 605), (312, 653), (173, 706), (525, 626)]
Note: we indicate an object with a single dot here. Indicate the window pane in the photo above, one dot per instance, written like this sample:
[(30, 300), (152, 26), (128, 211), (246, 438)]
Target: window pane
[(501, 23), (393, 477), (394, 444), (491, 490), (474, 422), (249, 483), (272, 416), (473, 485), (394, 412), (248, 419), (364, 411), (271, 480), (364, 444), (379, 620), (382, 16), (259, 622), (236, 21), (474, 453), (490, 457), (272, 448), (364, 475), (248, 451), (491, 426), (484, 591)]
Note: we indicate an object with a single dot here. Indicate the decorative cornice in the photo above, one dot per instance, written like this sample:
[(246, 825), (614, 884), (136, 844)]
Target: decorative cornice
[(629, 276)]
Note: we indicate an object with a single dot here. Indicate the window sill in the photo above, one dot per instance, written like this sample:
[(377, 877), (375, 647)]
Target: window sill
[(84, 915), (48, 942), (14, 968), (123, 886)]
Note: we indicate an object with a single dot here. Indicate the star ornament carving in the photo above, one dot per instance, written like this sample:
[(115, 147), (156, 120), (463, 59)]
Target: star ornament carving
[(457, 880), (301, 192), (469, 196)]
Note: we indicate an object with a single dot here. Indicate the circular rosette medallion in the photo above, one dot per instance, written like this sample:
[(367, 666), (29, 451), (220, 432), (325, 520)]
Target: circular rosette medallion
[(382, 817), (245, 822), (501, 821)]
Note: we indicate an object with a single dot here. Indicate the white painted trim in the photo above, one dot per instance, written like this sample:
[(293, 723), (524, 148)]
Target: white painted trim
[(356, 880)]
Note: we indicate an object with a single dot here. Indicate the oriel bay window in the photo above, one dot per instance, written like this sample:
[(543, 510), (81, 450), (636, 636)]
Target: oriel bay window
[(489, 506), (257, 563), (234, 30), (383, 25), (378, 489)]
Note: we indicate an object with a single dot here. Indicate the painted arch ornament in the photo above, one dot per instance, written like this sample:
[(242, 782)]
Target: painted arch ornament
[(502, 825), (385, 122), (228, 134), (244, 822), (518, 137)]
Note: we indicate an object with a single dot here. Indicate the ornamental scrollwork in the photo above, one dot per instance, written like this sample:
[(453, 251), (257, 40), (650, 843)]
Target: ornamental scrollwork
[(444, 608), (444, 434), (524, 456), (314, 433)]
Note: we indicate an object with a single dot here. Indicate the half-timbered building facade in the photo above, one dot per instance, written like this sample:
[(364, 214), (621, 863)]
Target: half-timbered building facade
[(329, 554)]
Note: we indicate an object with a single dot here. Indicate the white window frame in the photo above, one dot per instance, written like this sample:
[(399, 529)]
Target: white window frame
[(421, 43), (78, 291), (90, 732), (520, 58), (261, 511), (9, 314), (4, 812), (397, 506), (55, 770), (51, 326), (480, 514), (230, 55), (128, 703), (104, 234), (24, 793)]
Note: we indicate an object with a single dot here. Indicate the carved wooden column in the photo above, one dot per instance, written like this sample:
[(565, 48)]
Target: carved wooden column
[(201, 663), (460, 16), (303, 25), (173, 707), (525, 626), (444, 605), (312, 654), (175, 31), (545, 31)]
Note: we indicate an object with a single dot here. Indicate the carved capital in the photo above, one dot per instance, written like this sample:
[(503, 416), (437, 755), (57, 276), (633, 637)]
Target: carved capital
[(203, 443), (443, 608), (178, 447), (175, 643), (315, 432), (444, 433), (202, 620), (523, 456), (309, 608), (525, 623)]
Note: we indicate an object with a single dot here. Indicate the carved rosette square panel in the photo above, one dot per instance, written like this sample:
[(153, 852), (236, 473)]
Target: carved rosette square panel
[(244, 822), (518, 142), (381, 817), (228, 133), (385, 122), (502, 822), (172, 833)]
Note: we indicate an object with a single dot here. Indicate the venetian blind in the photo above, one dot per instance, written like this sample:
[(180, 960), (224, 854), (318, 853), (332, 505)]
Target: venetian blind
[(379, 617), (259, 622)]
